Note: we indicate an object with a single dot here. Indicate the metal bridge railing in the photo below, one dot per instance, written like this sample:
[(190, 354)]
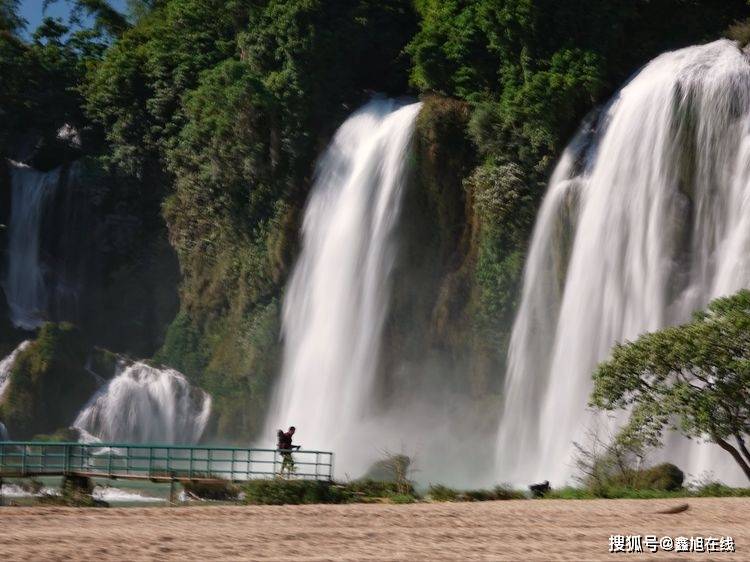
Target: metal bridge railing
[(158, 462)]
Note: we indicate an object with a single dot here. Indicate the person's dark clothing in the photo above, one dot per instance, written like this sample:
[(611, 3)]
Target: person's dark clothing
[(285, 441)]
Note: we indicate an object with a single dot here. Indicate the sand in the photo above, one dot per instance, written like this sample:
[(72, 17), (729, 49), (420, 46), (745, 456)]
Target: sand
[(503, 530)]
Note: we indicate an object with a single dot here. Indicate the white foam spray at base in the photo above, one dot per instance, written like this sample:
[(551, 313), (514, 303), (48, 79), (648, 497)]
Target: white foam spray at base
[(143, 404), (647, 218), (338, 296)]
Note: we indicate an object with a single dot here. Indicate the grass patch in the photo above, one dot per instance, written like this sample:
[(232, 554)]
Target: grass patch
[(218, 491), (281, 492), (440, 493)]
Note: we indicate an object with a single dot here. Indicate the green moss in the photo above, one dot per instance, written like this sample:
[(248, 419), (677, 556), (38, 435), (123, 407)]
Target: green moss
[(48, 383)]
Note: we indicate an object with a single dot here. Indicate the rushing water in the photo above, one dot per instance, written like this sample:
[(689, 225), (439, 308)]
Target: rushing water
[(338, 296), (25, 284), (143, 404), (647, 218), (6, 365)]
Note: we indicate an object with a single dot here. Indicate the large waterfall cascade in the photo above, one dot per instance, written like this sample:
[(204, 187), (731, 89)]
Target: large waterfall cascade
[(144, 404), (646, 219), (338, 296), (25, 285)]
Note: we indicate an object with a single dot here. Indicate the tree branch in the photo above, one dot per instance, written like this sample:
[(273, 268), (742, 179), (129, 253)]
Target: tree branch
[(743, 447), (734, 452)]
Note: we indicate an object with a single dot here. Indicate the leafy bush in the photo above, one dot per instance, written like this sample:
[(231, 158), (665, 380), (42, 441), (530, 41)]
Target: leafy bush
[(740, 31), (665, 476), (220, 491), (367, 489), (440, 493), (281, 492)]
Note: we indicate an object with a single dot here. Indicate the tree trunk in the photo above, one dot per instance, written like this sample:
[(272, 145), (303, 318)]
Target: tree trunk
[(735, 454), (743, 447)]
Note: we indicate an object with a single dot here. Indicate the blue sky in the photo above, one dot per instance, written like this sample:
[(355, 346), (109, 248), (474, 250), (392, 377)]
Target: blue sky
[(31, 11)]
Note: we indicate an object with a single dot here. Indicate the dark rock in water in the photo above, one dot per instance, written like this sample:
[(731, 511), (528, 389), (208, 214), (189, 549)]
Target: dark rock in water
[(539, 490)]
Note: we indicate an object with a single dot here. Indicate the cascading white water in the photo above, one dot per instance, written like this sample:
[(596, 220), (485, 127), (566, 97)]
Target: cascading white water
[(6, 366), (338, 296), (646, 219), (24, 285), (143, 404)]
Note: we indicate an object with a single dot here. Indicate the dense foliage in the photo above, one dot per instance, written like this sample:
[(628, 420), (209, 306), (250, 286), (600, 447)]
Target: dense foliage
[(199, 122), (48, 383), (694, 377)]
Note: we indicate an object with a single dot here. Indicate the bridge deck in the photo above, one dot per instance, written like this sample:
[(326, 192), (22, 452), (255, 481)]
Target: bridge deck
[(155, 462)]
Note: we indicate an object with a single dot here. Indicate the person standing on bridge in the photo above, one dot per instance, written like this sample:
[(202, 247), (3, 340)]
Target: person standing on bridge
[(285, 446)]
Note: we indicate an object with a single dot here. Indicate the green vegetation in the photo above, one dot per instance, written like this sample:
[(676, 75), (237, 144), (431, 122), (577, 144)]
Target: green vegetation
[(281, 492), (693, 378), (200, 122), (48, 383), (440, 493), (218, 491)]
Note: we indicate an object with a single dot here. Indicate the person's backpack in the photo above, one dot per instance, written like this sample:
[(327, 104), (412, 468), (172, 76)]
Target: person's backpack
[(279, 436)]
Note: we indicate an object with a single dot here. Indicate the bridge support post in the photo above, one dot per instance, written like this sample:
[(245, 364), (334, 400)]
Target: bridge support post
[(172, 495)]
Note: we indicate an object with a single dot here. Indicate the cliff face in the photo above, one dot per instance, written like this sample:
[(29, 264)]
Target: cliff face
[(197, 131)]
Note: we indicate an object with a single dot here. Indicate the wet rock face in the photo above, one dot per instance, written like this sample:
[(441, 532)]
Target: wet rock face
[(48, 383), (96, 241)]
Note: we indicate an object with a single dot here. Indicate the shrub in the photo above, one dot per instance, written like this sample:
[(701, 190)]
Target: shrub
[(664, 476), (440, 493), (214, 490), (371, 488), (740, 31), (281, 492)]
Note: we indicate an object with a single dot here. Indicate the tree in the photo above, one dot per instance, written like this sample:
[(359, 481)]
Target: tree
[(694, 378)]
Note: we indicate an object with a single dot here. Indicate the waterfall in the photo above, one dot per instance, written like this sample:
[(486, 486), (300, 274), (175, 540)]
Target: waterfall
[(143, 404), (6, 366), (338, 296), (25, 285), (646, 219)]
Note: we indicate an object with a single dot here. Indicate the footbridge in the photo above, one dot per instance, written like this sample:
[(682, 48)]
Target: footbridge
[(158, 462)]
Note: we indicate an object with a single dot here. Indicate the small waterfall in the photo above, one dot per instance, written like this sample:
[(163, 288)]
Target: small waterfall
[(338, 296), (143, 404), (647, 218), (25, 285), (6, 366), (4, 436)]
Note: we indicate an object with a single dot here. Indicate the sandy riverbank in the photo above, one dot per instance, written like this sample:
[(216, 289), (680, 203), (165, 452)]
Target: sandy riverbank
[(509, 530)]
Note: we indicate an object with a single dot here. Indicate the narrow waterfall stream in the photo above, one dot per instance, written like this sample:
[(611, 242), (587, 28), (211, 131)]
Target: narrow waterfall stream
[(24, 284), (338, 296), (646, 219)]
